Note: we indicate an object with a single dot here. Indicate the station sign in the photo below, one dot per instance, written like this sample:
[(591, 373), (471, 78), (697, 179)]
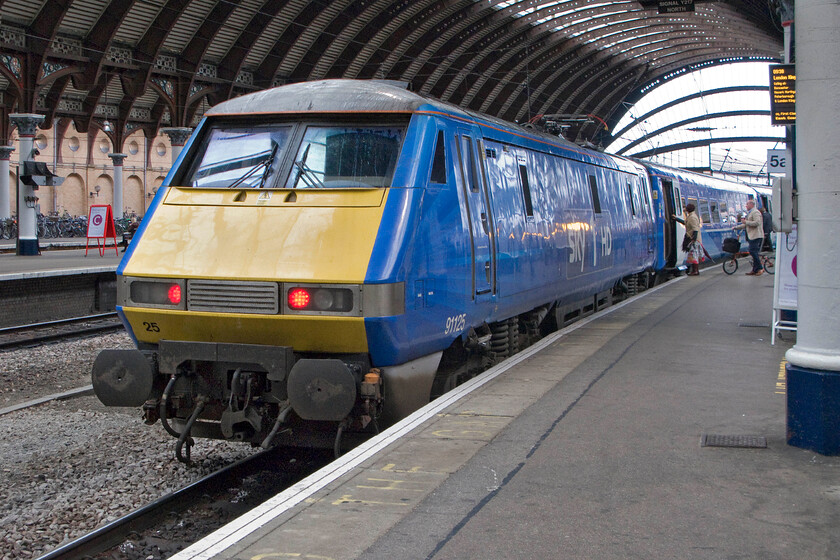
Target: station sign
[(675, 6), (782, 94), (779, 162)]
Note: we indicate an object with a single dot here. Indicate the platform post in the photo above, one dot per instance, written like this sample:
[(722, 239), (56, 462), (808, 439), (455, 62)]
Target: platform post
[(5, 193), (119, 207), (178, 136), (27, 245), (813, 369)]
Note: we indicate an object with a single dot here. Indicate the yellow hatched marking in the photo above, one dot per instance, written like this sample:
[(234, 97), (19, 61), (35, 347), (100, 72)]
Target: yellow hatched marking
[(390, 485), (392, 467), (470, 427), (304, 556), (348, 499), (781, 380)]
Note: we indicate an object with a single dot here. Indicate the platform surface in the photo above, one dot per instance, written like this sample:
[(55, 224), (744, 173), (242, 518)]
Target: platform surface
[(589, 447), (57, 259)]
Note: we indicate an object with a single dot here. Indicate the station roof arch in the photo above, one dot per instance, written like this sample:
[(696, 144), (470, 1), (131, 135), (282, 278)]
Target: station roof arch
[(124, 65)]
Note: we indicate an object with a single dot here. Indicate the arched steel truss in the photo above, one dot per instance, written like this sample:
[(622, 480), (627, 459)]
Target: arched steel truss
[(146, 64)]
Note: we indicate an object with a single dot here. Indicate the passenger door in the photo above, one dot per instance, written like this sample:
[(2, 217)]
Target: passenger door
[(676, 230), (474, 187), (644, 199)]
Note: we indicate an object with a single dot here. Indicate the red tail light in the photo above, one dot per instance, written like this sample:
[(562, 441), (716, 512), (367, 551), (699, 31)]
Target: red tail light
[(298, 298), (174, 294)]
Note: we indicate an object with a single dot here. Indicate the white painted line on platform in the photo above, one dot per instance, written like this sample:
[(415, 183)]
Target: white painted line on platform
[(225, 537), (57, 272)]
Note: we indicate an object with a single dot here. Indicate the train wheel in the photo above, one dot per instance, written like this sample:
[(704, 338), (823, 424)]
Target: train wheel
[(730, 265)]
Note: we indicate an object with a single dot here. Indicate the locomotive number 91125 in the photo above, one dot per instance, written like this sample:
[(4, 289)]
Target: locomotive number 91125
[(456, 324)]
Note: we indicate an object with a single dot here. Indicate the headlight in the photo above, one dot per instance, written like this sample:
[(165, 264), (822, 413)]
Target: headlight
[(309, 299), (154, 293)]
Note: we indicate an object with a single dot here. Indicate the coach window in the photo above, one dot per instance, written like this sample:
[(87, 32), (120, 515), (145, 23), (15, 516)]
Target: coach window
[(526, 189), (439, 162), (630, 197), (678, 198), (723, 213), (593, 191), (704, 211), (645, 197), (693, 201)]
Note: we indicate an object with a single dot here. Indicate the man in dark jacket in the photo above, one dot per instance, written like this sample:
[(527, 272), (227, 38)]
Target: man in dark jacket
[(768, 229)]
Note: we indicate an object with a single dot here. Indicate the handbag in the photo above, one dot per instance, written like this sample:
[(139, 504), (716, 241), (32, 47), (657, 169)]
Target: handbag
[(686, 243)]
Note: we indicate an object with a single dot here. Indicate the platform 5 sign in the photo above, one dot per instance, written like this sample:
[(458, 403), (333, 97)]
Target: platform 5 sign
[(779, 162)]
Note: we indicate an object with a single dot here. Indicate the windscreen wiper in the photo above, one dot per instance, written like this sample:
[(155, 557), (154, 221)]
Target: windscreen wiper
[(264, 165), (307, 173)]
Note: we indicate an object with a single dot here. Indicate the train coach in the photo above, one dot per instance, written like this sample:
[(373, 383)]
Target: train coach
[(718, 203), (325, 257)]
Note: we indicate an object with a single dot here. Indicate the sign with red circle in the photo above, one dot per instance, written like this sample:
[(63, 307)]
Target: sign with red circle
[(101, 227)]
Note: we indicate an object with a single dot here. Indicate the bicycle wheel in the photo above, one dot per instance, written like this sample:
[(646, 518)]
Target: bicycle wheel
[(730, 265), (769, 265)]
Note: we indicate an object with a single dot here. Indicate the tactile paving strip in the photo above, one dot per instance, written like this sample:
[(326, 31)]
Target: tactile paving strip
[(717, 440)]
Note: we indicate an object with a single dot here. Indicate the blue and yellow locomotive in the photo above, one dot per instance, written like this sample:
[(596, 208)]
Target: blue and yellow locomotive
[(326, 254)]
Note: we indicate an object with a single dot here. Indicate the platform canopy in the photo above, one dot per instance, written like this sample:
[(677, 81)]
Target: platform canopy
[(123, 65)]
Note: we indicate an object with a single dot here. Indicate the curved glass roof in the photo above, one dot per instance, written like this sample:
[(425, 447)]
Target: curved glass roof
[(716, 119)]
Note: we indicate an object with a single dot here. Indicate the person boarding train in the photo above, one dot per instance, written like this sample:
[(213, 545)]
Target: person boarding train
[(692, 242)]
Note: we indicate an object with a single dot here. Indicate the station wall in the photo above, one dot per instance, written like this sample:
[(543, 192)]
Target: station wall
[(144, 169)]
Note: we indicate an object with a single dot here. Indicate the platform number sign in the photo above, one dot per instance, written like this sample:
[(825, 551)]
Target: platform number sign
[(778, 162)]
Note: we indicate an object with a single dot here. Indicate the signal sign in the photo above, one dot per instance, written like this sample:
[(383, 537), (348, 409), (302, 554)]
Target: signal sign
[(675, 6)]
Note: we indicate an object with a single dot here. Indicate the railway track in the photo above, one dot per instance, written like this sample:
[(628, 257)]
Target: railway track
[(183, 517), (24, 336)]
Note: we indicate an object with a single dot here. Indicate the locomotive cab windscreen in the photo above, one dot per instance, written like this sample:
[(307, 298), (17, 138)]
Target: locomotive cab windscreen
[(295, 156)]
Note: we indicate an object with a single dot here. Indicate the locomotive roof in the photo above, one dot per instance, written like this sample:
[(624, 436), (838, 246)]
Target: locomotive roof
[(371, 96), (330, 96)]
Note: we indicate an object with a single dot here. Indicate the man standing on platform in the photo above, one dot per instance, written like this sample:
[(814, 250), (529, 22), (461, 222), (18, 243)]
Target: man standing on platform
[(754, 224)]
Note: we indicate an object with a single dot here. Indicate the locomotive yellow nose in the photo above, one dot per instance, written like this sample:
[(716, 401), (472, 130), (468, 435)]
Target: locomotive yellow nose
[(243, 241), (316, 236)]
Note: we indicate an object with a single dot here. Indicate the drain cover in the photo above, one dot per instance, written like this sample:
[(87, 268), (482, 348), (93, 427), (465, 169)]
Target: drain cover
[(717, 440)]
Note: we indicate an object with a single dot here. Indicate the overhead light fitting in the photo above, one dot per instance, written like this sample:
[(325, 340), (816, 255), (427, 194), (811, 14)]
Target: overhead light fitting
[(106, 124)]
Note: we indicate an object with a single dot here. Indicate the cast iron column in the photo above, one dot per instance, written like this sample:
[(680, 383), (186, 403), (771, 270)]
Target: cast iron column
[(119, 209), (5, 193), (27, 245), (177, 137)]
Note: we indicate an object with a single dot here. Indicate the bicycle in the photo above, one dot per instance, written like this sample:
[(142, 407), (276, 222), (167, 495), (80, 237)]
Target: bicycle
[(730, 264)]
